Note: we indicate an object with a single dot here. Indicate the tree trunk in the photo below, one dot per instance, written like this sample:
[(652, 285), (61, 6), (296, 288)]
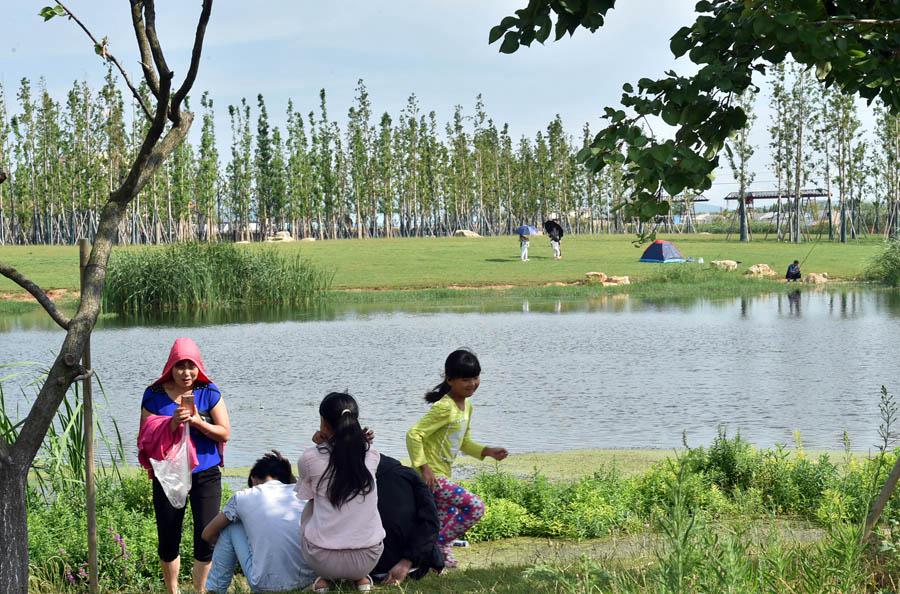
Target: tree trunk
[(13, 531)]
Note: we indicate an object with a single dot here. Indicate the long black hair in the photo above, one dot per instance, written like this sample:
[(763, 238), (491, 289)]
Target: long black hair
[(274, 465), (346, 471), (459, 364)]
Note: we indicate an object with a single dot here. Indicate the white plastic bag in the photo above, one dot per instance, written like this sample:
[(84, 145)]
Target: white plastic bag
[(174, 472)]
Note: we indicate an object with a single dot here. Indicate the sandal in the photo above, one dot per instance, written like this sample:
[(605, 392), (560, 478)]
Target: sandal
[(320, 589), (366, 587)]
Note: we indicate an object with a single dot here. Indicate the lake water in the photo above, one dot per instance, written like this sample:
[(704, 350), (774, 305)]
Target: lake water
[(614, 372)]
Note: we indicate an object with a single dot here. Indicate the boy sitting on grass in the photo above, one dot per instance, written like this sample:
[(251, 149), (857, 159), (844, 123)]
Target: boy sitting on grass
[(259, 527)]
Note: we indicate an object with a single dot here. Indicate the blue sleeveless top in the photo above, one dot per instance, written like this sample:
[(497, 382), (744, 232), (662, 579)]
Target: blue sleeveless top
[(206, 397)]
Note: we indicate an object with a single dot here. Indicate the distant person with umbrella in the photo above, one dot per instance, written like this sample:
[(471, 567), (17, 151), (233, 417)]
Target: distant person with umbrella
[(555, 232), (525, 232)]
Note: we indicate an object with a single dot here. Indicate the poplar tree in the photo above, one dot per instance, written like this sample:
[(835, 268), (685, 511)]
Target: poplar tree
[(239, 171), (739, 150), (207, 179)]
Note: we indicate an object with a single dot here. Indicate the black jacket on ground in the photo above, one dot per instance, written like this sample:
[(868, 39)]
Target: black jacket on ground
[(409, 517)]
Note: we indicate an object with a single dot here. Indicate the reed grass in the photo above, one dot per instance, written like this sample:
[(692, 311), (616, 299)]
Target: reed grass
[(197, 275), (884, 268)]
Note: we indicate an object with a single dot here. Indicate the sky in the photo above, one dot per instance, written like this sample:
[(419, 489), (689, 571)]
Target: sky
[(436, 49)]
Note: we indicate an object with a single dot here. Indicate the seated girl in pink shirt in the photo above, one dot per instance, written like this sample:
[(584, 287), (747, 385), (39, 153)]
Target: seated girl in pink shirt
[(342, 535)]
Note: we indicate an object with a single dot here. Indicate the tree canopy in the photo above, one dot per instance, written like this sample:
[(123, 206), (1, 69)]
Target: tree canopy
[(853, 45)]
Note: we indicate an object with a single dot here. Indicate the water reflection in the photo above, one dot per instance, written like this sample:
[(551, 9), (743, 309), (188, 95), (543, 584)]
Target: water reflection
[(794, 301), (839, 303)]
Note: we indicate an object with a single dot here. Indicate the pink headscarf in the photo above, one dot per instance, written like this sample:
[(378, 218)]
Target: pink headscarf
[(184, 349)]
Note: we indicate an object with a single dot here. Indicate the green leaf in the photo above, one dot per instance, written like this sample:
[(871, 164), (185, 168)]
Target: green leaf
[(680, 42), (822, 70), (48, 12), (628, 88), (544, 30), (510, 43), (496, 33)]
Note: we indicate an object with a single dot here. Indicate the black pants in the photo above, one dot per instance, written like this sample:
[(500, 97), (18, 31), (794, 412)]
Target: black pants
[(205, 496)]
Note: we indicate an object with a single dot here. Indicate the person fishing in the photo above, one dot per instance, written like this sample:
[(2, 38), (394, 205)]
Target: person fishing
[(434, 441), (793, 271)]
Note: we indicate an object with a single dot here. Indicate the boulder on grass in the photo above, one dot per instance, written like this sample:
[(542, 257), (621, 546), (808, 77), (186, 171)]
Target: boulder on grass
[(465, 233), (594, 277), (761, 270), (280, 236), (724, 264), (308, 239), (817, 278), (617, 280)]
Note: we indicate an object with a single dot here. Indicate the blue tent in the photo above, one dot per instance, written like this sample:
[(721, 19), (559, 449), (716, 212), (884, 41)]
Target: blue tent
[(662, 252)]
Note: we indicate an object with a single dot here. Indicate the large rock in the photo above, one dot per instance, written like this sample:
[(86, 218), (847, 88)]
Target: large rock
[(724, 264), (617, 280), (465, 233), (761, 270), (595, 277), (817, 278), (280, 236), (308, 239)]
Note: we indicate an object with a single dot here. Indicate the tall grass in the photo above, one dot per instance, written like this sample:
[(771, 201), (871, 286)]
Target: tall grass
[(885, 267), (195, 275)]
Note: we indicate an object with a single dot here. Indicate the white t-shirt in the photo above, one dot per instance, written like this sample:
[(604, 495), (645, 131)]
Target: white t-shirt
[(270, 514)]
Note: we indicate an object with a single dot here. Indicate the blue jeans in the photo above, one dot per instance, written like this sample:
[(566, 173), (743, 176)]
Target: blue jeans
[(231, 548)]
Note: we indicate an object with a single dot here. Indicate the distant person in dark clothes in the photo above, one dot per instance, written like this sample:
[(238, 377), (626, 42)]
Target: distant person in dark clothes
[(555, 238), (410, 522), (793, 271)]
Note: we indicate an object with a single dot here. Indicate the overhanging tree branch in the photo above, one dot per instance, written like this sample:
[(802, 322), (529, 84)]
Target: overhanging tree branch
[(103, 51), (38, 293)]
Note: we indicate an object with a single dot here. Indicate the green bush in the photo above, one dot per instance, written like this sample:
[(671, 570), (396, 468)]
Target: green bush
[(502, 519)]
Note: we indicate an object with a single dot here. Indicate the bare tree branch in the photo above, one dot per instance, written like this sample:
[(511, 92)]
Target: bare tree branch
[(155, 48), (109, 58), (145, 157), (47, 303), (137, 19), (195, 61)]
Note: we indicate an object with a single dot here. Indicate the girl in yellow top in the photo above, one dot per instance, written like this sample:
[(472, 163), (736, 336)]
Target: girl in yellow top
[(434, 441)]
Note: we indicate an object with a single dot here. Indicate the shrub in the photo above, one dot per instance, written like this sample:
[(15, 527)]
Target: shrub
[(502, 519)]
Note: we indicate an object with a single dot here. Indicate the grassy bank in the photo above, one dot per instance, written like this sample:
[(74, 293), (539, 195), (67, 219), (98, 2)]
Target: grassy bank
[(422, 263)]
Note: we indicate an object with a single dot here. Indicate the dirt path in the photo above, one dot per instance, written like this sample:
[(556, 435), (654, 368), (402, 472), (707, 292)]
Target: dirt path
[(53, 294)]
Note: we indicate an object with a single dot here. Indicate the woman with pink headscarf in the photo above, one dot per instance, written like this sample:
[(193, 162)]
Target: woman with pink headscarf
[(184, 375)]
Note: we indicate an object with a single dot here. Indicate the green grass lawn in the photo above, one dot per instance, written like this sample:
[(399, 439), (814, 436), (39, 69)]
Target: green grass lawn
[(417, 263)]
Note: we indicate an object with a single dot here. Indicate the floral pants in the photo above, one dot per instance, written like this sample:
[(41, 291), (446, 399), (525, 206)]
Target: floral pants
[(458, 510)]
